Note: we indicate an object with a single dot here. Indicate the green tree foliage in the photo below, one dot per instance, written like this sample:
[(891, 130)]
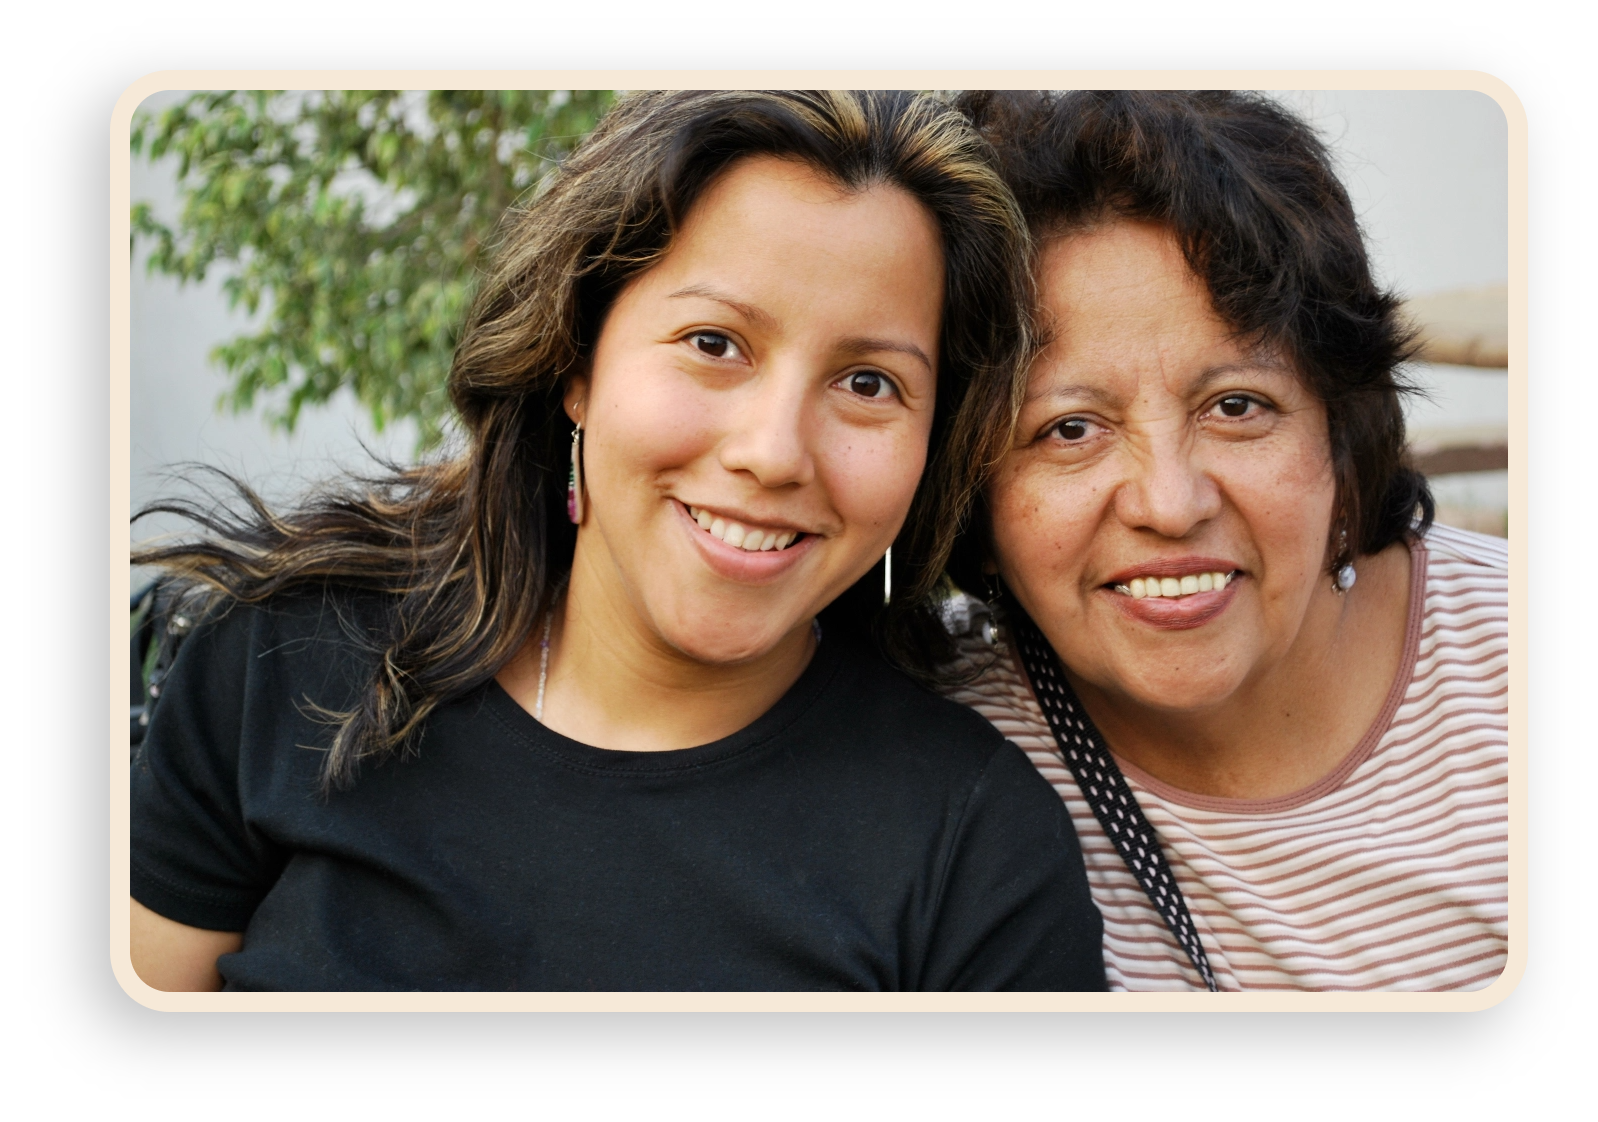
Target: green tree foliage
[(353, 224)]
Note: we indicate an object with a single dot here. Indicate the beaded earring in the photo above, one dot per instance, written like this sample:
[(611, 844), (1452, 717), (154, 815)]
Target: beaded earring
[(574, 478)]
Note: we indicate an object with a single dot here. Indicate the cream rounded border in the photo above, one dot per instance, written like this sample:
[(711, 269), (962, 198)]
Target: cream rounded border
[(120, 441)]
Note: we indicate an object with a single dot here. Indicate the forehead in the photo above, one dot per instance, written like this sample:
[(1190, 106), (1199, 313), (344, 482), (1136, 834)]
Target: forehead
[(765, 203), (1118, 302)]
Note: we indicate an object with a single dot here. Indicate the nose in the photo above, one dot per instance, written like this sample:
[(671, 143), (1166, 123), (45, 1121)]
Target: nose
[(767, 437), (1166, 489)]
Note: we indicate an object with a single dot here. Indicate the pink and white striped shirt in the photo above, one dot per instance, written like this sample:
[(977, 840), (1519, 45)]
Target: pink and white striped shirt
[(1388, 874)]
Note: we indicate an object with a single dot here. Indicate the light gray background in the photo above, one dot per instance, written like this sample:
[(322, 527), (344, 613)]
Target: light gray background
[(1427, 171)]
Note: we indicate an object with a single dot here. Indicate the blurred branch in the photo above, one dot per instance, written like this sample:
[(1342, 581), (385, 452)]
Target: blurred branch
[(355, 222)]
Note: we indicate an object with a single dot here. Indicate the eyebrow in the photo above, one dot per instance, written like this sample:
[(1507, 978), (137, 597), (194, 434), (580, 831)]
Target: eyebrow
[(751, 313), (1259, 362), (855, 345), (1098, 396), (1092, 393)]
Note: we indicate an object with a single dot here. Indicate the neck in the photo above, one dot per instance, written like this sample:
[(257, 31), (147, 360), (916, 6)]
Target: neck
[(1293, 722), (613, 682)]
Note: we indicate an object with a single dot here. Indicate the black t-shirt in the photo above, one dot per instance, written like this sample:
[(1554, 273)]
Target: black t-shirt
[(862, 834)]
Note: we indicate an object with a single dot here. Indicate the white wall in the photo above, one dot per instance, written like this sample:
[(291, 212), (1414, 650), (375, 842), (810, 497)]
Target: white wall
[(1428, 174)]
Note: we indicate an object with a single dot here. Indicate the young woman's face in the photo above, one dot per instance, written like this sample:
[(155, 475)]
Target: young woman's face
[(1154, 447), (757, 410)]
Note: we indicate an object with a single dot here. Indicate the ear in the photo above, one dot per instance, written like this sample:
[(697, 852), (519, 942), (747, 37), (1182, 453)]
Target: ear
[(575, 401)]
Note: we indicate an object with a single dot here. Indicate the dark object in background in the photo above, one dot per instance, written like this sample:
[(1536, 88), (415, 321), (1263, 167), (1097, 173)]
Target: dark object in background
[(158, 626)]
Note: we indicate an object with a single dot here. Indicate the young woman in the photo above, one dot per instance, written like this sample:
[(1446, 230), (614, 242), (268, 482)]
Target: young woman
[(565, 712), (1272, 694)]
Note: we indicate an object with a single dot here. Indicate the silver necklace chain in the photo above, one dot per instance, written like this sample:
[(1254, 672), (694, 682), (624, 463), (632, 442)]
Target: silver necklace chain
[(543, 667)]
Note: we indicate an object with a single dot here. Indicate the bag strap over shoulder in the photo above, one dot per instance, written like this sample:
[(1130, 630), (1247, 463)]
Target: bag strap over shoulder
[(1105, 788)]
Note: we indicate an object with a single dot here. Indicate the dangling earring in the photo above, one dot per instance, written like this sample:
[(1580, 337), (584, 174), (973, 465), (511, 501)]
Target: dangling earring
[(990, 629), (887, 575), (1346, 576), (574, 478)]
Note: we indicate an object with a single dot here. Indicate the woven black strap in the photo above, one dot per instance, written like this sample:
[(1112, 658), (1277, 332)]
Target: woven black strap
[(1105, 788)]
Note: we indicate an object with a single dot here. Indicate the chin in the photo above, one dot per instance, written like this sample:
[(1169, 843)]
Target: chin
[(1170, 689), (732, 642)]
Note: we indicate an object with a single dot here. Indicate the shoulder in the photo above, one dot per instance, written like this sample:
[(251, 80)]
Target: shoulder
[(1467, 576), (907, 750), (286, 624), (319, 640), (1449, 546), (985, 676), (872, 694)]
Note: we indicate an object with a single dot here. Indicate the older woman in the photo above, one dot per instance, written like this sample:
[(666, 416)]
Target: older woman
[(1270, 691)]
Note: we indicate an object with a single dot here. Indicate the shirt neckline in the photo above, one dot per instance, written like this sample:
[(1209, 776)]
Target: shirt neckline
[(788, 709)]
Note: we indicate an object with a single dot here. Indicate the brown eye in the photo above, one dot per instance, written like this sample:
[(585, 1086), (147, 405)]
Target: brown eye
[(868, 383), (713, 344), (1234, 406), (1072, 429)]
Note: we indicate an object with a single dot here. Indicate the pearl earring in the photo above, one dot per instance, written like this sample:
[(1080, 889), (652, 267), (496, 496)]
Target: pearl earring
[(887, 575), (1346, 576)]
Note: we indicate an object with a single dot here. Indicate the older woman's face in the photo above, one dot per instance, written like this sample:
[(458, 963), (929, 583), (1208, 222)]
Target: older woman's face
[(1163, 514)]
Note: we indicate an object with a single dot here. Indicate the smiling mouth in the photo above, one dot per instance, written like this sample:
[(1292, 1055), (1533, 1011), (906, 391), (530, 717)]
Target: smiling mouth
[(751, 539), (1175, 588)]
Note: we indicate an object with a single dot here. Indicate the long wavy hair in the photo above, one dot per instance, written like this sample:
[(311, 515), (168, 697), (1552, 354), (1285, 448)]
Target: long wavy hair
[(471, 550)]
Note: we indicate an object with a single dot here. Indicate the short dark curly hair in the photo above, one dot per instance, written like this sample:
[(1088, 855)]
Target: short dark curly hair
[(1249, 192)]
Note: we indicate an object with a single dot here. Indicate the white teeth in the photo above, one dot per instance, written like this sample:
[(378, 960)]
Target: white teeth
[(752, 541), (1140, 587)]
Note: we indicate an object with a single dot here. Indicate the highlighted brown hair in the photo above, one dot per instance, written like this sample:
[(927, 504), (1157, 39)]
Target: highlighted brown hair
[(471, 550)]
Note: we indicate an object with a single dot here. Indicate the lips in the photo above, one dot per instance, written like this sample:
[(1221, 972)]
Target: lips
[(739, 560), (748, 536), (1177, 567), (1175, 593), (1171, 588)]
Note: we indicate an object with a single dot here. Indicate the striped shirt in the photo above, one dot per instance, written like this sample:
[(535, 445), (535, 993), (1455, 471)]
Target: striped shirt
[(1390, 873)]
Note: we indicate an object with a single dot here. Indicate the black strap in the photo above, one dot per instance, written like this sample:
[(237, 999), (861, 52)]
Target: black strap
[(1105, 788)]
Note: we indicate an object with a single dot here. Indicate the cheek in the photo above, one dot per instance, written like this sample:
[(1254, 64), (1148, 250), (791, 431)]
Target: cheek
[(871, 475), (643, 419), (1043, 525), (1286, 503)]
